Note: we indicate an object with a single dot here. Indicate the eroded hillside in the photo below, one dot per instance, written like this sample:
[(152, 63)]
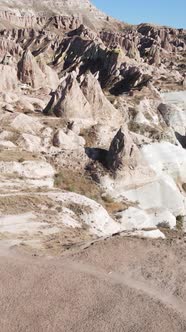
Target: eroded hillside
[(90, 143)]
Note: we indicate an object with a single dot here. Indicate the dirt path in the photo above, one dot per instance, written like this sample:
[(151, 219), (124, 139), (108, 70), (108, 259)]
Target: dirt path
[(126, 281)]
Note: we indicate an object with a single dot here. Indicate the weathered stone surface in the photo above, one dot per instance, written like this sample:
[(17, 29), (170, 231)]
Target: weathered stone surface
[(29, 71), (68, 101), (83, 101), (30, 142), (68, 140), (8, 79), (101, 108), (27, 173), (92, 75), (174, 117), (26, 124), (135, 218)]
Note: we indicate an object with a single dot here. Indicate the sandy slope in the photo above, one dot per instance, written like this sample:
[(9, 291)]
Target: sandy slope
[(121, 284)]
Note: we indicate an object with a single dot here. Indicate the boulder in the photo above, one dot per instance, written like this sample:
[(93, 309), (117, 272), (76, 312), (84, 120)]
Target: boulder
[(68, 140), (30, 142), (26, 124)]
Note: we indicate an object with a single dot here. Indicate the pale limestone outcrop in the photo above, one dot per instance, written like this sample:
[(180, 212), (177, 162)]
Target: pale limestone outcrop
[(166, 158), (29, 71), (68, 140), (25, 174), (82, 102), (174, 116), (68, 101), (101, 107), (9, 79), (26, 124), (7, 144), (93, 214), (153, 181), (96, 81), (28, 169), (30, 142), (161, 193), (135, 218), (51, 77)]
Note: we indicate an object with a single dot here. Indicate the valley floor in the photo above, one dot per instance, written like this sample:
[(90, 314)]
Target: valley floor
[(117, 284)]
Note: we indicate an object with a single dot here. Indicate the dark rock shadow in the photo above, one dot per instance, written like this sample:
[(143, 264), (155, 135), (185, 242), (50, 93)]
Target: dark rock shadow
[(181, 139), (97, 154)]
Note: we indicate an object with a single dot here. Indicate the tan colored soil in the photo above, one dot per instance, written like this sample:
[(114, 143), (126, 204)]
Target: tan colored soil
[(121, 284)]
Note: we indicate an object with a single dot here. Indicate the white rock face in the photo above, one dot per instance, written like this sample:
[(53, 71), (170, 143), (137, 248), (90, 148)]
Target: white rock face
[(26, 124), (29, 71), (9, 79), (154, 234), (101, 108), (27, 169), (93, 214), (28, 173), (32, 100), (140, 118), (147, 106), (98, 220), (5, 135), (51, 77), (175, 98), (30, 142), (162, 193), (134, 218), (24, 223), (160, 197), (166, 158), (174, 116), (7, 144), (68, 141), (9, 97), (69, 211), (26, 105)]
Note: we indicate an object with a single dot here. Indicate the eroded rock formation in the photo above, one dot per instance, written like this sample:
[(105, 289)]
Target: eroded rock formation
[(70, 78)]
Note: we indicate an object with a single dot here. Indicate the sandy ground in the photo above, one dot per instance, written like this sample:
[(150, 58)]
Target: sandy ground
[(120, 284)]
